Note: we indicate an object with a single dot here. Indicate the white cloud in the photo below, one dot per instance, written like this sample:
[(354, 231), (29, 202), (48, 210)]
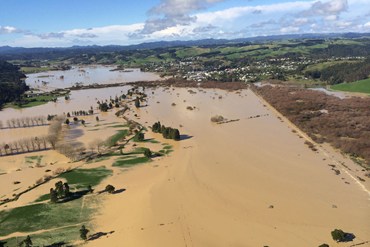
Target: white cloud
[(289, 29), (329, 7), (367, 25), (115, 34), (343, 24), (237, 12), (172, 13), (8, 30), (331, 18), (300, 21)]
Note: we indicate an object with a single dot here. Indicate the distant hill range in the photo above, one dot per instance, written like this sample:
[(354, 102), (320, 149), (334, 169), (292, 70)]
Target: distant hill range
[(8, 50)]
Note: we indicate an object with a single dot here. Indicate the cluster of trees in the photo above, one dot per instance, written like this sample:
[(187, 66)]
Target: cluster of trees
[(75, 120), (81, 113), (104, 106), (52, 141), (109, 104), (96, 144), (54, 130), (344, 123), (50, 117), (11, 84), (71, 151), (60, 191), (25, 145), (24, 122), (167, 132), (342, 72), (139, 95), (34, 143)]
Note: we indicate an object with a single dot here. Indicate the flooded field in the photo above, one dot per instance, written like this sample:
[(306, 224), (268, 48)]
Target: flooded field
[(50, 80)]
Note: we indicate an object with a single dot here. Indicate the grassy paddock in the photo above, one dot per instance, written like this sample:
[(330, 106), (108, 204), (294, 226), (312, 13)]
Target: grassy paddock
[(115, 138), (36, 217), (362, 86), (62, 235), (81, 178), (30, 70), (122, 162)]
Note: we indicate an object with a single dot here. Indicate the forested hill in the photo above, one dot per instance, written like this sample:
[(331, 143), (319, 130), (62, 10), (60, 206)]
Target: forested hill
[(11, 84)]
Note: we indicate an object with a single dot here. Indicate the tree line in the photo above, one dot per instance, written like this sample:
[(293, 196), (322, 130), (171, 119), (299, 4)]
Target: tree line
[(24, 122), (25, 145), (81, 113), (167, 132), (33, 144)]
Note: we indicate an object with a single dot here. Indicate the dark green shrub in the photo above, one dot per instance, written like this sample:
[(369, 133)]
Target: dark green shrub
[(338, 235)]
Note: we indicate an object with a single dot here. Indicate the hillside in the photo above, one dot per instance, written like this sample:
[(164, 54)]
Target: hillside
[(11, 83)]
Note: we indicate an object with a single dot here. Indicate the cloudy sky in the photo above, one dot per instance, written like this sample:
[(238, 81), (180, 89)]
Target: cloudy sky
[(51, 23)]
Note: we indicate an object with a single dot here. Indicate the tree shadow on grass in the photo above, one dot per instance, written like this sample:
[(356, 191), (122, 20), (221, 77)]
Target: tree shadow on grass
[(74, 196), (2, 244), (185, 137), (59, 244), (99, 235)]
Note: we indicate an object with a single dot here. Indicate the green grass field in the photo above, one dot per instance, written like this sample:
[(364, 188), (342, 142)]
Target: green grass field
[(31, 102), (36, 217), (124, 162), (30, 70), (324, 65), (61, 220), (81, 178), (33, 159), (62, 235), (115, 138), (362, 86)]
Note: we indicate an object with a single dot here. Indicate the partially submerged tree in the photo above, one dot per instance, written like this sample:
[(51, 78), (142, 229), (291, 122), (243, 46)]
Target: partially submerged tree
[(96, 144), (167, 132), (148, 153), (137, 102), (110, 189), (103, 107), (338, 235), (139, 137)]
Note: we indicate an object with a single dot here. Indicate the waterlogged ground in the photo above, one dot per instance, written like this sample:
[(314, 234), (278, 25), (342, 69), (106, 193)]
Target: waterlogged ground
[(47, 81), (251, 181), (33, 214)]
